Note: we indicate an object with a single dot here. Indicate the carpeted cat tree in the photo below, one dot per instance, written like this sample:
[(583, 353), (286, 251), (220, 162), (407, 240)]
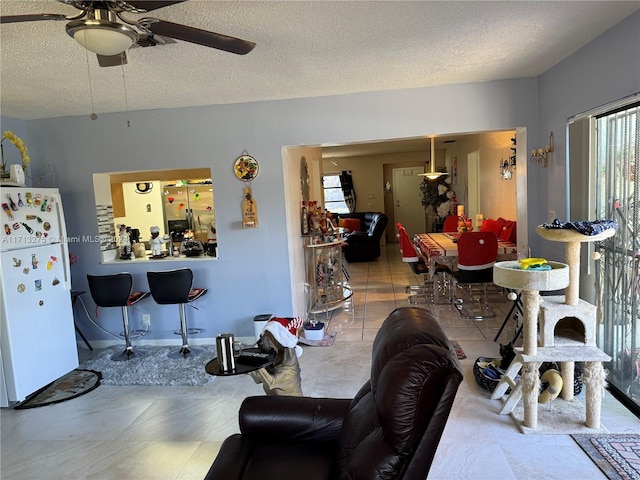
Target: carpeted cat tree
[(559, 329)]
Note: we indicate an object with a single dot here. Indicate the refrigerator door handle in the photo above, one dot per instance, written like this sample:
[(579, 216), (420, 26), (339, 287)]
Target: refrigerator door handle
[(64, 241)]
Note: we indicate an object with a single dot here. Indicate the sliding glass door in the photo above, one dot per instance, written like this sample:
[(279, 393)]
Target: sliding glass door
[(616, 185)]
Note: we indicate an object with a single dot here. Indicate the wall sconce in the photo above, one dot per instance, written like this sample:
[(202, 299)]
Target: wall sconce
[(541, 155)]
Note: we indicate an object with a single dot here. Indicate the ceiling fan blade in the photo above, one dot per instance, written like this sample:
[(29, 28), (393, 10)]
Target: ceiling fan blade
[(33, 17), (112, 60), (149, 5), (196, 35)]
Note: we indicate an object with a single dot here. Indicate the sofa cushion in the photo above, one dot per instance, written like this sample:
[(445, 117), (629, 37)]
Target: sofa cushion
[(352, 224)]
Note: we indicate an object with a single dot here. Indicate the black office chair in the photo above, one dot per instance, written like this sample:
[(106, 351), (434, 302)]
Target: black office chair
[(117, 291), (175, 287)]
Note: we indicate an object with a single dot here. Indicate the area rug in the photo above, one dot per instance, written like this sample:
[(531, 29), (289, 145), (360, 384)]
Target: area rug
[(72, 385), (327, 340), (153, 368), (616, 454), (459, 352)]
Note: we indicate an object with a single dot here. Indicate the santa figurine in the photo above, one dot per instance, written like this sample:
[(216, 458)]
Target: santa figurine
[(157, 242)]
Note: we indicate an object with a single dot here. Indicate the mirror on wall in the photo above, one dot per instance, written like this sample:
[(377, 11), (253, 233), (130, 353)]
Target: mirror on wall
[(178, 201)]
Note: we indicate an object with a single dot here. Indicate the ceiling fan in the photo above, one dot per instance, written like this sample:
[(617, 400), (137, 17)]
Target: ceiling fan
[(97, 28)]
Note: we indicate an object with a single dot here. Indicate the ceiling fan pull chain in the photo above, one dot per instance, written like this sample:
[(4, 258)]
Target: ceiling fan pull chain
[(93, 115), (124, 88)]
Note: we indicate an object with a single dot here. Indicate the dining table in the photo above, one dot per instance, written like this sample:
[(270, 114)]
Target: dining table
[(442, 248)]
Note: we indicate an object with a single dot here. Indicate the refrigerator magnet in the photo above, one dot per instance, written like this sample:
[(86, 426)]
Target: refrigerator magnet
[(7, 230), (55, 281), (29, 198), (34, 261), (49, 265), (38, 284), (5, 207), (16, 262), (25, 270), (14, 207), (21, 288), (20, 202), (41, 302)]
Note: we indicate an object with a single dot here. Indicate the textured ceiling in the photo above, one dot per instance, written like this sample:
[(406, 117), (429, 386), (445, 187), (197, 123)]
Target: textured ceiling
[(303, 49)]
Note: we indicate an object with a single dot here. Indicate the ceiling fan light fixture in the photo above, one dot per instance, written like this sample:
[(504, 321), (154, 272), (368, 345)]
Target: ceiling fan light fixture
[(433, 175), (102, 36)]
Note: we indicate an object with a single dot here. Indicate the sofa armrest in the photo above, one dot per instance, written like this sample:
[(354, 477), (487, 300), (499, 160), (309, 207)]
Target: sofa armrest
[(356, 238), (232, 459), (283, 418)]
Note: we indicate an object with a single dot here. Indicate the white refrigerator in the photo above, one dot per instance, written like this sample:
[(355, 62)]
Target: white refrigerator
[(37, 337)]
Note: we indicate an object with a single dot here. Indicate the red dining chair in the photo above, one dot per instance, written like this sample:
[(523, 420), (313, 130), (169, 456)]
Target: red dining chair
[(450, 224), (432, 292), (411, 256), (477, 253)]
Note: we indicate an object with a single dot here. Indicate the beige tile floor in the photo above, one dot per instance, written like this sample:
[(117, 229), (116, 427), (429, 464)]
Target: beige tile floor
[(175, 432)]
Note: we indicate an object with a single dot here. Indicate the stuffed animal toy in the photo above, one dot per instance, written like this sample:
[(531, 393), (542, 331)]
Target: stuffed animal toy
[(554, 379), (283, 378)]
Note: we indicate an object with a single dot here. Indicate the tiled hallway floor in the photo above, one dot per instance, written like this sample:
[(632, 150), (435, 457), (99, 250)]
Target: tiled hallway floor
[(175, 432)]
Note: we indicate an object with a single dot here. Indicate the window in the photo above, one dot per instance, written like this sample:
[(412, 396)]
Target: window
[(617, 189), (333, 195)]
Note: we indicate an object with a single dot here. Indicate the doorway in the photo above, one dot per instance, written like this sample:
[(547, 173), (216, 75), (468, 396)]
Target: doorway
[(407, 206)]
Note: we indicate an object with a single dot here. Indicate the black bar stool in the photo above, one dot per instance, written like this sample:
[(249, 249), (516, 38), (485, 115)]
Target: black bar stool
[(117, 291), (175, 287)]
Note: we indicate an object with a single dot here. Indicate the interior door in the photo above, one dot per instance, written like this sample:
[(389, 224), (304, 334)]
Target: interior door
[(407, 200)]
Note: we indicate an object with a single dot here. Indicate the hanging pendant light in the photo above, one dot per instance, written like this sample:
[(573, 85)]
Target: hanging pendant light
[(433, 175)]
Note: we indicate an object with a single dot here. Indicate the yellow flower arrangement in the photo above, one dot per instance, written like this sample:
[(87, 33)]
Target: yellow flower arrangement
[(22, 148)]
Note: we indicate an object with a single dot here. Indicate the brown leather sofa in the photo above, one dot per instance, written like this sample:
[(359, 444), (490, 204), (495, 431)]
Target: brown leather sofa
[(364, 245), (390, 430)]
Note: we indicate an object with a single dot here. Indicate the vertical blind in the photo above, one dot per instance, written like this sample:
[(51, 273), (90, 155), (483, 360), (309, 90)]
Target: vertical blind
[(617, 192)]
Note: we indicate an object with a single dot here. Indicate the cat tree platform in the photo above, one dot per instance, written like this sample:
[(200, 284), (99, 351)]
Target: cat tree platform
[(567, 331)]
